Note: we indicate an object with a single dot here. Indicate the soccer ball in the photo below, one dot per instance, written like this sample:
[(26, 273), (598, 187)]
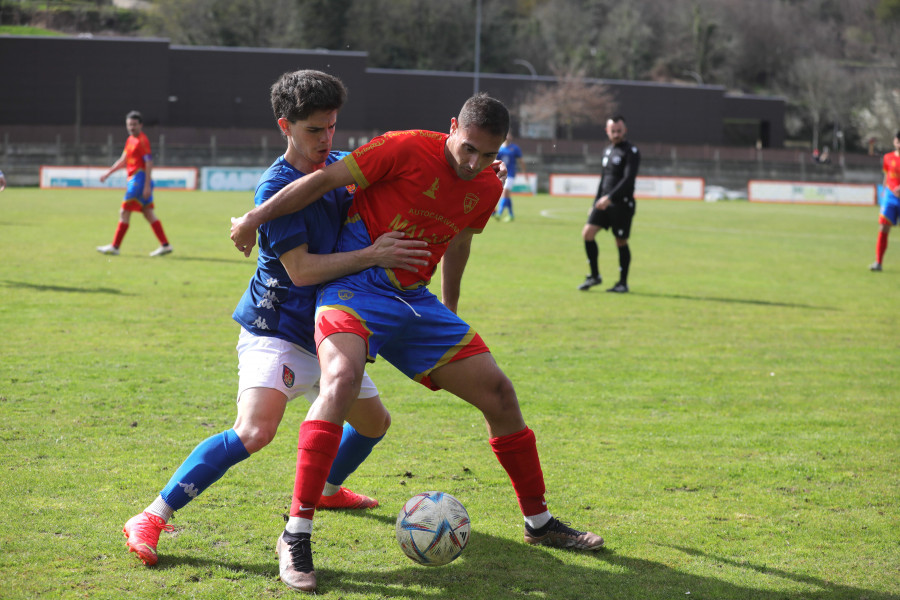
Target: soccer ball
[(433, 528)]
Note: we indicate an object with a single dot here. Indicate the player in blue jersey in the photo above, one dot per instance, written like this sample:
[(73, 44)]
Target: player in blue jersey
[(276, 348), (511, 155)]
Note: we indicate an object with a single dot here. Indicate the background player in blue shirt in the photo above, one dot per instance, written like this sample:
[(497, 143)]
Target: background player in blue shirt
[(511, 155), (276, 350)]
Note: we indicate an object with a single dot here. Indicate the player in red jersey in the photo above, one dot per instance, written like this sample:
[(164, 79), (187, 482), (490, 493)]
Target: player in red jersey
[(890, 207), (138, 162), (434, 187)]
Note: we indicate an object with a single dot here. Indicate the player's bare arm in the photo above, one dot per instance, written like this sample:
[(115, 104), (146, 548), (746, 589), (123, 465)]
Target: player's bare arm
[(295, 196), (390, 251), (453, 264), (115, 167), (148, 174)]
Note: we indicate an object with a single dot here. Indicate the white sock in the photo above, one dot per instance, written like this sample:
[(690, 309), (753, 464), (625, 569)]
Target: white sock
[(331, 489), (160, 509), (538, 521), (298, 525)]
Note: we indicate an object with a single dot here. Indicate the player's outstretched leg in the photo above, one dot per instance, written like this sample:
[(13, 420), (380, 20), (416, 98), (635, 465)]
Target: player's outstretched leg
[(478, 380)]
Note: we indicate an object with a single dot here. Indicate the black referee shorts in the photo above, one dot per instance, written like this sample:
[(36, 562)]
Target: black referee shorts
[(617, 218)]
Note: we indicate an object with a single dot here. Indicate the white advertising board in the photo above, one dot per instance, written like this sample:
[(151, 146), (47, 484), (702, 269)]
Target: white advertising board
[(173, 178), (230, 179), (681, 188), (811, 193), (525, 183)]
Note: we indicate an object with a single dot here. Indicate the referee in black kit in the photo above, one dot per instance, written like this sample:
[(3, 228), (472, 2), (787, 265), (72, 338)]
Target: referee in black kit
[(613, 204)]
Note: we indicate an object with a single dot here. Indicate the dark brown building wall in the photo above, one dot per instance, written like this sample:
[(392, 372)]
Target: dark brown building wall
[(93, 82)]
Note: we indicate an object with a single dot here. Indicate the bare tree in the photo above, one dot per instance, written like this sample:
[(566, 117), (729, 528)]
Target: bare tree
[(819, 88), (571, 101), (879, 120)]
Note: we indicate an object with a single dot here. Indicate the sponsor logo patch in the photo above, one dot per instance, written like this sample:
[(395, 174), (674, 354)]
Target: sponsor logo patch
[(345, 294)]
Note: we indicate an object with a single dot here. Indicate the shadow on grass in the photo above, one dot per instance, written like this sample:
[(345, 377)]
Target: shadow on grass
[(42, 287), (734, 301), (512, 570)]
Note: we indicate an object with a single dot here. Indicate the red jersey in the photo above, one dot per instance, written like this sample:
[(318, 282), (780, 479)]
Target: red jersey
[(406, 184), (137, 153), (891, 166)]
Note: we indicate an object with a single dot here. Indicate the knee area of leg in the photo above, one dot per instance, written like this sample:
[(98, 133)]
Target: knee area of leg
[(256, 438)]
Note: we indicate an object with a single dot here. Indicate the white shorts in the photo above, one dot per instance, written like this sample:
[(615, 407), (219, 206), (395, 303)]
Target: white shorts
[(508, 184), (273, 363)]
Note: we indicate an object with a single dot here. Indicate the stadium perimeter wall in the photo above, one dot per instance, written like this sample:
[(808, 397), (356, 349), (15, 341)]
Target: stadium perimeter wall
[(64, 99), (81, 88)]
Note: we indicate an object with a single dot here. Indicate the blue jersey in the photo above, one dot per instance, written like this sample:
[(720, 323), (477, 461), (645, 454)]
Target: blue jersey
[(510, 155), (272, 305)]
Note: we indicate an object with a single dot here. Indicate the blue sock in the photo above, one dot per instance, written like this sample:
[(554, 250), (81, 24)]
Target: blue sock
[(203, 467), (354, 449)]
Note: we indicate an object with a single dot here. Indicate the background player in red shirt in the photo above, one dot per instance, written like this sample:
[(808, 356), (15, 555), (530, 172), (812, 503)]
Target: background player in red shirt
[(890, 208), (438, 188), (138, 162)]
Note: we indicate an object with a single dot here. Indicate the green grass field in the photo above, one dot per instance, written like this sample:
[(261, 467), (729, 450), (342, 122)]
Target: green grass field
[(730, 427)]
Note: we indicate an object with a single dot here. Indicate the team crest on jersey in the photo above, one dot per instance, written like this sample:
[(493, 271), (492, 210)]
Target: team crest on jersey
[(287, 376), (351, 189), (469, 203), (345, 295)]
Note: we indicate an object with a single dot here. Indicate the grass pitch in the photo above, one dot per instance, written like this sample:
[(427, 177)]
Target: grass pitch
[(730, 426)]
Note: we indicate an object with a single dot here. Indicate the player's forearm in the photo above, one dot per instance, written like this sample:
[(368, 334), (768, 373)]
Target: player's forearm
[(116, 165), (299, 194), (319, 268), (453, 265)]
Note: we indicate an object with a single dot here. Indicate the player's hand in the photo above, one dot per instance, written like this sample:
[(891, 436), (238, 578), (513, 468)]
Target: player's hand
[(103, 178), (499, 168), (243, 234), (393, 251), (602, 204)]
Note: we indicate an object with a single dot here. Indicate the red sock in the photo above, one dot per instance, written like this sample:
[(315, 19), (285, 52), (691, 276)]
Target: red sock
[(160, 234), (881, 245), (120, 234), (316, 448), (518, 454)]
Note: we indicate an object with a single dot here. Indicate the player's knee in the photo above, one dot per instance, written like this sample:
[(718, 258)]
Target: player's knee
[(503, 396), (256, 436), (385, 423)]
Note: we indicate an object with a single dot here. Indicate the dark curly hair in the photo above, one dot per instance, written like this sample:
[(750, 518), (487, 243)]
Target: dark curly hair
[(297, 95)]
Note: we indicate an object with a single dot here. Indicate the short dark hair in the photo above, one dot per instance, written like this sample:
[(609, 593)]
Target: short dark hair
[(898, 134), (617, 118), (297, 95), (486, 113), (135, 115)]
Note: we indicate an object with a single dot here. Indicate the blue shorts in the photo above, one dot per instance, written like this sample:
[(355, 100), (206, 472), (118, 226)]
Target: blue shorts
[(136, 188), (890, 205), (412, 330)]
